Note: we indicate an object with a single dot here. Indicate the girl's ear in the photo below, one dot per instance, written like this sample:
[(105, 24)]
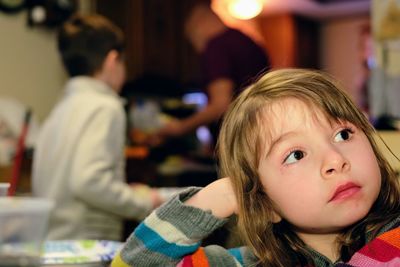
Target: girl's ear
[(276, 218), (275, 215)]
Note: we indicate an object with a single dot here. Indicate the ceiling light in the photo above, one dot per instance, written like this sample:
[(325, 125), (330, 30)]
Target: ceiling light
[(245, 9)]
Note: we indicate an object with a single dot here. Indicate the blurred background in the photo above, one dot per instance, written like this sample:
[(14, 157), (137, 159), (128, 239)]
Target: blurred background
[(357, 41), (332, 35), (354, 40)]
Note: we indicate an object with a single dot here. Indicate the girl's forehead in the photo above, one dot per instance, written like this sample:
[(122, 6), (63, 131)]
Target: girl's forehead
[(292, 109), (290, 114)]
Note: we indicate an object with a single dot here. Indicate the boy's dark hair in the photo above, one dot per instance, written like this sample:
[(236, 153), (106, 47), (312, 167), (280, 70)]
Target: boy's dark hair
[(84, 42)]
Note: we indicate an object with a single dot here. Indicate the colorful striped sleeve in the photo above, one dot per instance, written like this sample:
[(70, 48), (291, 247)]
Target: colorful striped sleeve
[(213, 256), (172, 232), (384, 250)]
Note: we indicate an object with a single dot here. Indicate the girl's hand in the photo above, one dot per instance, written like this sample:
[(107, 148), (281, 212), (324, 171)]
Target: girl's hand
[(217, 197)]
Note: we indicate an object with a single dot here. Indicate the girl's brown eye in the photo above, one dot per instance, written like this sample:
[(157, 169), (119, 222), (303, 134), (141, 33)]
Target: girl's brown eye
[(294, 156), (343, 135), (298, 155)]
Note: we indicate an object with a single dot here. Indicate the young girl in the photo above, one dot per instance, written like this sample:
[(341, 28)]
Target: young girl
[(307, 182)]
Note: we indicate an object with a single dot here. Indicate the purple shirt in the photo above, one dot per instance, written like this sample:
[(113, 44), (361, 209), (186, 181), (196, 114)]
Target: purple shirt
[(232, 55), (235, 56)]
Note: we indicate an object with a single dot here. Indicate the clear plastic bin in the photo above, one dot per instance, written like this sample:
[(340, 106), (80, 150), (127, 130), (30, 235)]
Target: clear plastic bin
[(23, 226)]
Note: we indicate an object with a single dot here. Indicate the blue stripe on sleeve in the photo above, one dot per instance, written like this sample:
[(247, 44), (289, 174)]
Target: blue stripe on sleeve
[(235, 252), (154, 242)]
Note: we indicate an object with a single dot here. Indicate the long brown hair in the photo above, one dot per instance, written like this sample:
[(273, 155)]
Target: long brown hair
[(241, 142)]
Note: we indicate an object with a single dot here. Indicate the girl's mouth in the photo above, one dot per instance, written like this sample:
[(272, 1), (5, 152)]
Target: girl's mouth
[(345, 191)]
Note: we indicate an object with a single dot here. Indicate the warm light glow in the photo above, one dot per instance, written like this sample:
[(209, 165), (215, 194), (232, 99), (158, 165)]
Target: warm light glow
[(245, 9)]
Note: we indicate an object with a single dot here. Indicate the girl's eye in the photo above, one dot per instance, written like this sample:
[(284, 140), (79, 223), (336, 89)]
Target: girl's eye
[(294, 156), (343, 135)]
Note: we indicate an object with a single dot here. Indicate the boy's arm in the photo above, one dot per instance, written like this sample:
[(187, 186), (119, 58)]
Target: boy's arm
[(173, 231)]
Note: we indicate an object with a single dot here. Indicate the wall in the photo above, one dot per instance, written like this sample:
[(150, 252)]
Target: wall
[(278, 32), (385, 76), (30, 69), (340, 51)]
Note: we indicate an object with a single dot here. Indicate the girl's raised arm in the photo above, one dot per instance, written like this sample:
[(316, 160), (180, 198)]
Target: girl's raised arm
[(217, 197), (172, 234)]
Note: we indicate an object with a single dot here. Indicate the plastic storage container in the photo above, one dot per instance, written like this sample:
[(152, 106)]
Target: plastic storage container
[(23, 226)]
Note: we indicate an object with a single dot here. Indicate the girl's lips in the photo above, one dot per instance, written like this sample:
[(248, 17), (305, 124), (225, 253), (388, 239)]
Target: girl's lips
[(344, 191)]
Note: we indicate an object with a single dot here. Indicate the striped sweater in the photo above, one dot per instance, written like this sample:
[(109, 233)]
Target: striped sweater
[(172, 235)]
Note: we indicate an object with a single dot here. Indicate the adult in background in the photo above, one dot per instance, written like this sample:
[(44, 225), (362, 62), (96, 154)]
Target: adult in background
[(230, 60)]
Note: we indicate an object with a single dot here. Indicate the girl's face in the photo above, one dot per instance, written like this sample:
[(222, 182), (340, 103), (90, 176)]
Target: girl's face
[(321, 176)]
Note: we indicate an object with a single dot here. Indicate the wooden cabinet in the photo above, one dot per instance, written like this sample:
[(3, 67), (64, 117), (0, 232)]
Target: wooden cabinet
[(155, 41), (307, 53)]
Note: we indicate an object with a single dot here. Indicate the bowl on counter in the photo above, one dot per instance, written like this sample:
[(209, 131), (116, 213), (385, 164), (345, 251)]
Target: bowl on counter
[(79, 253)]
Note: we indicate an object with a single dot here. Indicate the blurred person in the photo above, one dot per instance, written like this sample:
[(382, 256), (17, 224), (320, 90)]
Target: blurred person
[(230, 60), (79, 157)]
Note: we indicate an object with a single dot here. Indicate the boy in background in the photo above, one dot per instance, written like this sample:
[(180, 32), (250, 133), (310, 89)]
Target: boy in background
[(79, 159)]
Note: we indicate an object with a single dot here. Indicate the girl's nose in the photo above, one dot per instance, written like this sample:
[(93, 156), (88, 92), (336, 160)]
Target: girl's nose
[(334, 162)]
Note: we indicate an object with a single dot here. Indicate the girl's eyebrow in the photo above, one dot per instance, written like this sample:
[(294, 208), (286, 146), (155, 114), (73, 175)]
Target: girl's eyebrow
[(275, 142)]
